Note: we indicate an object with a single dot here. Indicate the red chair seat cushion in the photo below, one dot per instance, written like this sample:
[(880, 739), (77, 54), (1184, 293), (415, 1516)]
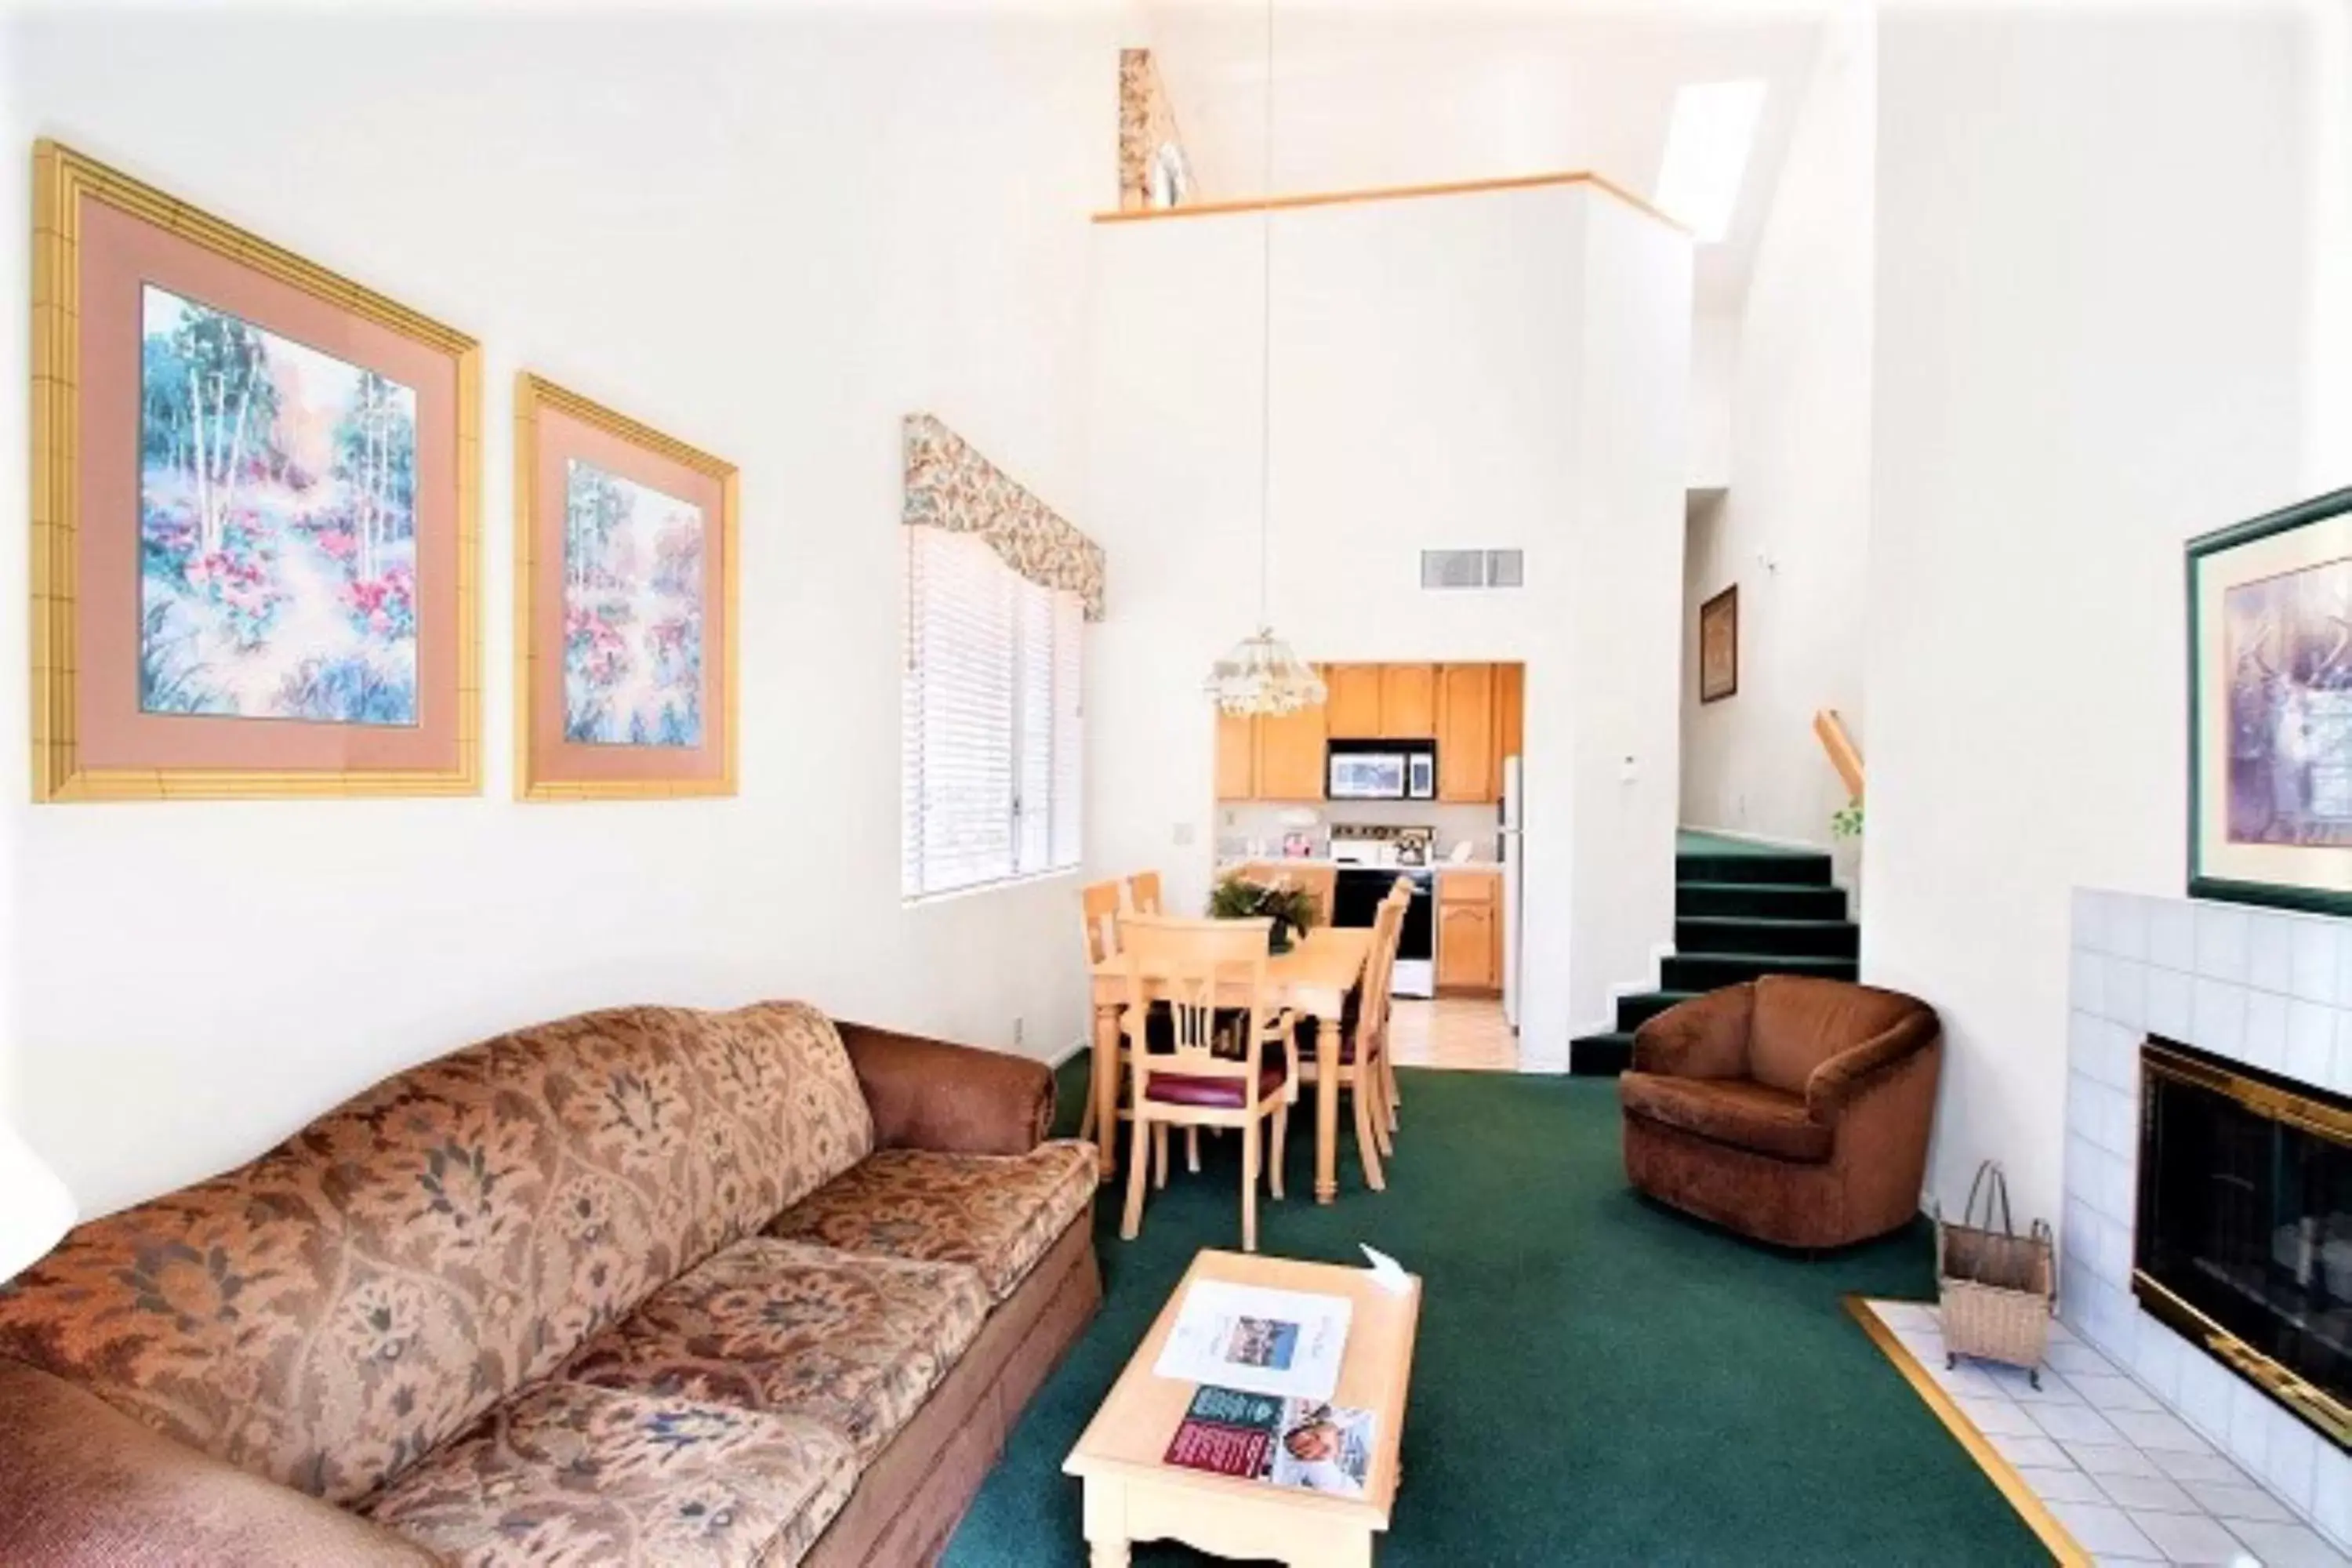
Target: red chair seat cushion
[(1738, 1111), (1216, 1093)]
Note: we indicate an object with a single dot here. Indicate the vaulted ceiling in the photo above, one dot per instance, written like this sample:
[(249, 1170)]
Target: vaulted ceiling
[(1382, 92)]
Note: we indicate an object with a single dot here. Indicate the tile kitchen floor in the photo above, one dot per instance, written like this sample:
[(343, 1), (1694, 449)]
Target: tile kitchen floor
[(2130, 1481), (1462, 1032)]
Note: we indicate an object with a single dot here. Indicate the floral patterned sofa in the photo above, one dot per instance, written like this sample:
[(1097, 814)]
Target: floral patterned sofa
[(650, 1285)]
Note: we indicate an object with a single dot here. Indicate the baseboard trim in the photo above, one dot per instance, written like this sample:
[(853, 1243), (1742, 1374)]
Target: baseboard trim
[(1808, 845), (1069, 1054)]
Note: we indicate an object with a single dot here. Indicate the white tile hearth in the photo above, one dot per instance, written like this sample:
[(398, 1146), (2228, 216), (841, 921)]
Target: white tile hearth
[(2270, 990), (2178, 1501)]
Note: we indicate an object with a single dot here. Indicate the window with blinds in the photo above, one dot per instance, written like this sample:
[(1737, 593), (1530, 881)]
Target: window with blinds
[(989, 707)]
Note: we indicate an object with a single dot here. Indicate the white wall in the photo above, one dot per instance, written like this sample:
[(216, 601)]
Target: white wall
[(1715, 360), (1792, 531), (2092, 339), (1429, 390), (772, 234)]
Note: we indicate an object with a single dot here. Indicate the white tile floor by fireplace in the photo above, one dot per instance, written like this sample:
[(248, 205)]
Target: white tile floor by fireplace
[(2273, 990), (2131, 1482)]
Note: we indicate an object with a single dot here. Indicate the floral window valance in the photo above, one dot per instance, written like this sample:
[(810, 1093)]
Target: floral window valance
[(950, 486)]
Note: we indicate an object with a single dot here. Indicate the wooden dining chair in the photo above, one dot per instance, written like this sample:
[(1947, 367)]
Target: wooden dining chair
[(1143, 893), (1402, 893), (1206, 1046), (1098, 906), (1354, 1046)]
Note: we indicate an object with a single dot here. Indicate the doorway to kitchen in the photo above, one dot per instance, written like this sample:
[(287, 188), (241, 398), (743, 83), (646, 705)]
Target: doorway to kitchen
[(1410, 773)]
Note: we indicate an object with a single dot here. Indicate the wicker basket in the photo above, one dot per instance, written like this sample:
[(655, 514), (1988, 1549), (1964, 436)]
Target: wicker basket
[(1996, 1288)]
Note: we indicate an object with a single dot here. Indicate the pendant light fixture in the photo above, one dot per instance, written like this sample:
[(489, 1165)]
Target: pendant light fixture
[(1259, 674)]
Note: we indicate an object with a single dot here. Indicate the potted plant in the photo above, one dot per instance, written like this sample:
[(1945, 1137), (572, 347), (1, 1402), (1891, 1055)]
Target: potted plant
[(1291, 907)]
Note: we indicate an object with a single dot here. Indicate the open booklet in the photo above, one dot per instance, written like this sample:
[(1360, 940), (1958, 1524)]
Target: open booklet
[(1290, 1442), (1284, 1343)]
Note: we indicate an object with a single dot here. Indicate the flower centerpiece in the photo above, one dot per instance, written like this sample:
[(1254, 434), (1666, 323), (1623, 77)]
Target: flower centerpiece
[(1241, 897)]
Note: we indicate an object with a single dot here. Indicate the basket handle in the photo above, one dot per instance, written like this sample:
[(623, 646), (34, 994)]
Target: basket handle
[(2040, 1232), (1997, 1191)]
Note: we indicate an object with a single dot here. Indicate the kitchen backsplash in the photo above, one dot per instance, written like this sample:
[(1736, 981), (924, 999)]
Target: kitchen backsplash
[(1242, 822)]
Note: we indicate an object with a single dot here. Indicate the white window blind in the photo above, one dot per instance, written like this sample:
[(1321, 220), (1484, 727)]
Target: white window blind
[(991, 710)]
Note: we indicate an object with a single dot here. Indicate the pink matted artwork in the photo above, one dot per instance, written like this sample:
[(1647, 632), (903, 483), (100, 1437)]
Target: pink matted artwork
[(257, 496), (625, 562)]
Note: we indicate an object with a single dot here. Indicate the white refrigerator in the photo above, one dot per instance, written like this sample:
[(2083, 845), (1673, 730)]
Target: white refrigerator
[(1510, 849)]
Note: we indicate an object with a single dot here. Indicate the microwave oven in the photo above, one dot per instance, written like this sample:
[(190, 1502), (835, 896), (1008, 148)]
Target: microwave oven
[(1379, 770)]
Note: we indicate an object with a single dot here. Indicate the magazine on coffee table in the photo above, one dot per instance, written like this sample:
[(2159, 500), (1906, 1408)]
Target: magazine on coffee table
[(1302, 1443), (1285, 1344)]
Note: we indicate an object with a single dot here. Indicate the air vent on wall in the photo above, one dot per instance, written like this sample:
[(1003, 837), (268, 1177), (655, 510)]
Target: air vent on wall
[(1473, 568)]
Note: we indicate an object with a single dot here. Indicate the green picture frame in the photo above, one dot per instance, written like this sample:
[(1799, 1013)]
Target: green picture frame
[(2269, 708)]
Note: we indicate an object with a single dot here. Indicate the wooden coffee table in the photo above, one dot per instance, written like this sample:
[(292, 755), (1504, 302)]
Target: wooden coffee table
[(1133, 1496)]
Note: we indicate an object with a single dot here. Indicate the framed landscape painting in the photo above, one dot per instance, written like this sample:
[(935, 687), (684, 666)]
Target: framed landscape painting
[(624, 584), (1718, 645), (253, 514), (2270, 633)]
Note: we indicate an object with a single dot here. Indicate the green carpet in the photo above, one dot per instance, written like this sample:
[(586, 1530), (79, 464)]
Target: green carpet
[(1597, 1379)]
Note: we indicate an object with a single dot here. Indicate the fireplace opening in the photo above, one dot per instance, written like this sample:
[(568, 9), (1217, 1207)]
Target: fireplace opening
[(2244, 1241)]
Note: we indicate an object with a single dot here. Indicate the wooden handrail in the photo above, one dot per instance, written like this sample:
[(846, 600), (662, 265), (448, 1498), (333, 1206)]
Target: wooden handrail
[(1395, 192), (1840, 746)]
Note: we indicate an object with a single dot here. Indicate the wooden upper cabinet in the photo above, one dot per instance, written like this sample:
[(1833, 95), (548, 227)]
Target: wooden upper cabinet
[(1236, 757), (1465, 734), (1353, 713), (1290, 755), (1408, 701), (1510, 717)]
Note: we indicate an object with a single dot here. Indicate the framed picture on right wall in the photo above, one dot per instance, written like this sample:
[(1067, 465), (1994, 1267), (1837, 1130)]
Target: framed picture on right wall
[(1718, 645), (2269, 708)]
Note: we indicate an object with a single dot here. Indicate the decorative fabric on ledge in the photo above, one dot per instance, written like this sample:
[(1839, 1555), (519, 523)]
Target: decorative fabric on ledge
[(950, 486)]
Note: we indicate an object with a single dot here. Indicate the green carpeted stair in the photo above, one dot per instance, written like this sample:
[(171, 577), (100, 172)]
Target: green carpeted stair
[(1597, 1379), (1740, 909)]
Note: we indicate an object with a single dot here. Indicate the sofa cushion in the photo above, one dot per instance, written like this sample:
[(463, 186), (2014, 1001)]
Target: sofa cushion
[(1799, 1022), (997, 1213), (567, 1474), (857, 1343), (1738, 1111), (330, 1312)]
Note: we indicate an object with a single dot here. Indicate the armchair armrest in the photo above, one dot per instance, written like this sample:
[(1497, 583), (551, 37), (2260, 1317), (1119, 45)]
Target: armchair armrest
[(82, 1485), (958, 1099), (1837, 1082), (1706, 1037)]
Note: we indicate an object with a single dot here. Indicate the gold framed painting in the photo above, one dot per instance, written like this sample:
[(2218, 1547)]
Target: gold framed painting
[(624, 606), (1718, 647), (255, 488)]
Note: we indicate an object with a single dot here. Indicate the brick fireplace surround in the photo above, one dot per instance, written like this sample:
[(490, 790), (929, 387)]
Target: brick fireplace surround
[(2273, 991)]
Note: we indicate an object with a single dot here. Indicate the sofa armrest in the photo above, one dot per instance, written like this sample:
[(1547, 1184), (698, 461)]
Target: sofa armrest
[(1837, 1082), (958, 1099), (1706, 1037), (82, 1485)]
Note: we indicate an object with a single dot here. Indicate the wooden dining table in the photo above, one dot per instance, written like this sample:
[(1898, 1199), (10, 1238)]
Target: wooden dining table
[(1312, 980)]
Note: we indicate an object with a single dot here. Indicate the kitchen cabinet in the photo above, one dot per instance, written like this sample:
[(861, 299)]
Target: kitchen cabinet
[(1473, 712), (1469, 930), (1465, 734), (1290, 755), (1510, 717), (1236, 756), (1353, 713), (1407, 702)]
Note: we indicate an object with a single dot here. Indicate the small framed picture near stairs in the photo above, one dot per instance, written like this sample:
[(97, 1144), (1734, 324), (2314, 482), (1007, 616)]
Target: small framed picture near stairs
[(1718, 645)]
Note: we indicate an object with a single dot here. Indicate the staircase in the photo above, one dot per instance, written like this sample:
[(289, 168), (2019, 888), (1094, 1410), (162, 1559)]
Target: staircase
[(1741, 909)]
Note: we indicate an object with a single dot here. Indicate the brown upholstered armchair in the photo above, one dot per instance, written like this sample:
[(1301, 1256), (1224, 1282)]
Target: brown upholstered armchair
[(1792, 1110)]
